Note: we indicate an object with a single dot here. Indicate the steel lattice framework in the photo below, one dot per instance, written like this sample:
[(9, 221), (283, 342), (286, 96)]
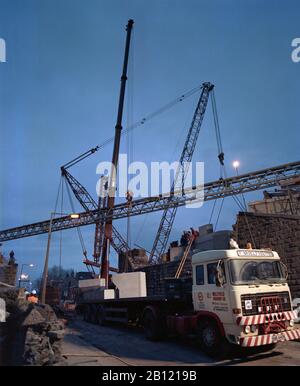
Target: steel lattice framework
[(169, 213), (249, 182), (90, 206)]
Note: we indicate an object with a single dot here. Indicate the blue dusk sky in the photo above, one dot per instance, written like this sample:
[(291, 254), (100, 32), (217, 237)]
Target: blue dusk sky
[(59, 90)]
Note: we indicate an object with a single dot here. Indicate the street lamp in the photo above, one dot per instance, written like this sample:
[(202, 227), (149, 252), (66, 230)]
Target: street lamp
[(23, 276), (45, 272), (236, 165)]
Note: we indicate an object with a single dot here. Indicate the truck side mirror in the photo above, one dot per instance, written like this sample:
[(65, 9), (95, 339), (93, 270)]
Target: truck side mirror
[(220, 274), (284, 270)]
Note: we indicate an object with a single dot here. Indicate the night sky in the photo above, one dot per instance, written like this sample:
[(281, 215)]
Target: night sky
[(59, 92)]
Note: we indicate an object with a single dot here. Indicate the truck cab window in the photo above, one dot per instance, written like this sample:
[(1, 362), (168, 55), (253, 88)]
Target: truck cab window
[(211, 273), (199, 275)]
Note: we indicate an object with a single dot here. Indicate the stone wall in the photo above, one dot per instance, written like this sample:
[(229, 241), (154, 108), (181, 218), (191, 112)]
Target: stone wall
[(279, 232)]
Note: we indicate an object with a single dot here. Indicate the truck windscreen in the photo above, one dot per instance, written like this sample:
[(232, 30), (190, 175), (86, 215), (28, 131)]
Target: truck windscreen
[(255, 271)]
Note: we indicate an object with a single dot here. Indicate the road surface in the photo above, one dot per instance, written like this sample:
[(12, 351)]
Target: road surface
[(93, 345)]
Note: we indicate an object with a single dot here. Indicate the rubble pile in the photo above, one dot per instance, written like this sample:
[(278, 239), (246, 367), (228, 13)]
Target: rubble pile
[(32, 333)]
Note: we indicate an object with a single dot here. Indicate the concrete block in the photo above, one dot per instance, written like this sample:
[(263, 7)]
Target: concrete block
[(98, 294), (205, 229), (176, 253), (130, 285), (91, 283)]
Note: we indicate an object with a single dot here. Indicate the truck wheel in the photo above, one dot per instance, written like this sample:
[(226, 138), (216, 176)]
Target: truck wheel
[(151, 326), (210, 339)]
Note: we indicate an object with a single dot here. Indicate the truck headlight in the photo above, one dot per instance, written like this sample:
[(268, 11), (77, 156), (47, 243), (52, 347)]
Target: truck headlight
[(253, 328), (247, 329), (292, 323)]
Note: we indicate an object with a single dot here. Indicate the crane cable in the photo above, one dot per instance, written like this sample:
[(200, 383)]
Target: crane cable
[(135, 125), (129, 135), (60, 188), (141, 228), (220, 154), (223, 169), (84, 251), (223, 173), (60, 238)]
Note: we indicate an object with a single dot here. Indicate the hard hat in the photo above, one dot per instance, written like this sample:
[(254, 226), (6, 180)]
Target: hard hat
[(26, 293), (33, 292)]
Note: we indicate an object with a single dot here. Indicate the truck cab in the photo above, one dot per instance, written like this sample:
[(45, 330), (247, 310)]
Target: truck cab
[(244, 296)]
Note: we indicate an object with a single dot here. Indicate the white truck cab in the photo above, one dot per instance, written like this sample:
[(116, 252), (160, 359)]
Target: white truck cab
[(246, 292)]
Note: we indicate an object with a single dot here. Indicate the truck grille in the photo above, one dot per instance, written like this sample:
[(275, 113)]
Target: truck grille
[(255, 304)]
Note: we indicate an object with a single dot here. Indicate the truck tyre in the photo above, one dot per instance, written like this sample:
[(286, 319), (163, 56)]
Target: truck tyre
[(151, 325), (211, 340), (101, 316)]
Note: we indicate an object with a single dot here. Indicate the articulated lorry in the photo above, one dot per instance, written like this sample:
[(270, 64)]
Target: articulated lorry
[(233, 296)]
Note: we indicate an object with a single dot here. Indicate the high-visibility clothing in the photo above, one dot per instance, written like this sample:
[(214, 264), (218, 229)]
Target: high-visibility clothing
[(32, 299)]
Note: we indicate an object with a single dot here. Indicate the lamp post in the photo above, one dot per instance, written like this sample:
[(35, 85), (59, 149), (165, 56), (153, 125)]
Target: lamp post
[(236, 165), (21, 274), (45, 271)]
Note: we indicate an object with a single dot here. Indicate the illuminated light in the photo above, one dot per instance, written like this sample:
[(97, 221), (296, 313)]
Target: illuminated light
[(292, 323), (253, 328), (74, 215), (235, 164), (247, 329)]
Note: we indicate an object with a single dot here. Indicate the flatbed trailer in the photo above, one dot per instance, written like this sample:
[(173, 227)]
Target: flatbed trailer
[(235, 297), (153, 313)]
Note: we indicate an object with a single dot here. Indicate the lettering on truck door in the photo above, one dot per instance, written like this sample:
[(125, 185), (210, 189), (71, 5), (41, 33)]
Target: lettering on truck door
[(217, 297)]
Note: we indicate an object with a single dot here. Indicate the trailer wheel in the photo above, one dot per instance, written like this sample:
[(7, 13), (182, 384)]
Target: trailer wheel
[(210, 339), (151, 325)]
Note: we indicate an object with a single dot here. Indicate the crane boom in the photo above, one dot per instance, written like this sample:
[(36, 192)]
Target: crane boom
[(89, 204), (169, 213), (249, 182)]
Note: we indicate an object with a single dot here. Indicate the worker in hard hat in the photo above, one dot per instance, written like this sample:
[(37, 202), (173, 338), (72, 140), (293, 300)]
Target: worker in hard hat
[(32, 298)]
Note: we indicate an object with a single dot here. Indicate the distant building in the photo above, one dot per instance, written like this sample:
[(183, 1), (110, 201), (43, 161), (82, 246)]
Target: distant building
[(285, 200)]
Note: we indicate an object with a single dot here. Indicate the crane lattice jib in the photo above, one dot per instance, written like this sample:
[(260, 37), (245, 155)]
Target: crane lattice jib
[(82, 195), (249, 182), (90, 205), (169, 213)]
